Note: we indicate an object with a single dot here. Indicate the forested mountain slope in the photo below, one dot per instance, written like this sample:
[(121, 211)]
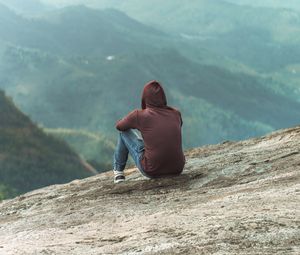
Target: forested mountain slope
[(30, 159), (265, 38)]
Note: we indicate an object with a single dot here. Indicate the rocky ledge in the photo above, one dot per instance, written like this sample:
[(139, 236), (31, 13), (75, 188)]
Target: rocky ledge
[(232, 198)]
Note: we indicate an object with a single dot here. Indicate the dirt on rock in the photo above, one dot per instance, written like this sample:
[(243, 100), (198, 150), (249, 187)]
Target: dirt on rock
[(232, 198)]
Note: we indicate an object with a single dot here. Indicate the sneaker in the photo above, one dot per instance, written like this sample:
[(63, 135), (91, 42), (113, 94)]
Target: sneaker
[(119, 176)]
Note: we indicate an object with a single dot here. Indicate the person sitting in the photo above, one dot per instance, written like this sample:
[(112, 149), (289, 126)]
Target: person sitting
[(152, 136)]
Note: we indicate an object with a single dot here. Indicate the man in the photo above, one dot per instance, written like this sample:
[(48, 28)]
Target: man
[(158, 153)]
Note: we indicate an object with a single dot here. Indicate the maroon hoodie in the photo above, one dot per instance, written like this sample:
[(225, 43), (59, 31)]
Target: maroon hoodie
[(160, 126)]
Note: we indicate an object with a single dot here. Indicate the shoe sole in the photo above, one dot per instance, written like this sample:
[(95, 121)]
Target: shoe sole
[(118, 181)]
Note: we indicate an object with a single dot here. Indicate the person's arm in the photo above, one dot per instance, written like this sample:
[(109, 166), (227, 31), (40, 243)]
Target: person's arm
[(180, 118), (129, 121), (179, 113), (181, 122)]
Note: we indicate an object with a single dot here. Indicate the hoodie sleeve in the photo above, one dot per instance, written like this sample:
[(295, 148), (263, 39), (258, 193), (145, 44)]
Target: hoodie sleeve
[(129, 121), (179, 113), (180, 118)]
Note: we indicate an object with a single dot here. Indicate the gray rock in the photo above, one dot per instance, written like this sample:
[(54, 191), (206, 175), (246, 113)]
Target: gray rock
[(232, 198)]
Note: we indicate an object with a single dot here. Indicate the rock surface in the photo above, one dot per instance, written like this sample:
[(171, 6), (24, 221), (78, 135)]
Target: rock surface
[(232, 198)]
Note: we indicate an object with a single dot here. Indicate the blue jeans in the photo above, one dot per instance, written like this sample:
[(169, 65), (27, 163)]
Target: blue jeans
[(129, 142)]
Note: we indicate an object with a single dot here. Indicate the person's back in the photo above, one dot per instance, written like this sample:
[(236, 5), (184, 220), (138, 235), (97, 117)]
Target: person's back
[(160, 126), (161, 131)]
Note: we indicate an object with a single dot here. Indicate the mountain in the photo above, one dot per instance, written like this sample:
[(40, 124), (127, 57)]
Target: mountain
[(291, 4), (232, 198), (93, 147), (265, 38), (77, 65), (30, 159), (77, 30)]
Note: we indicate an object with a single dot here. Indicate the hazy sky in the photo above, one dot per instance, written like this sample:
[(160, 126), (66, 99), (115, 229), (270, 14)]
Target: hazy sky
[(33, 6), (292, 4)]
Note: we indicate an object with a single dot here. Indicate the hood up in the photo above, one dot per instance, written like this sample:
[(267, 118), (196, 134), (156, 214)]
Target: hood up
[(153, 95)]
